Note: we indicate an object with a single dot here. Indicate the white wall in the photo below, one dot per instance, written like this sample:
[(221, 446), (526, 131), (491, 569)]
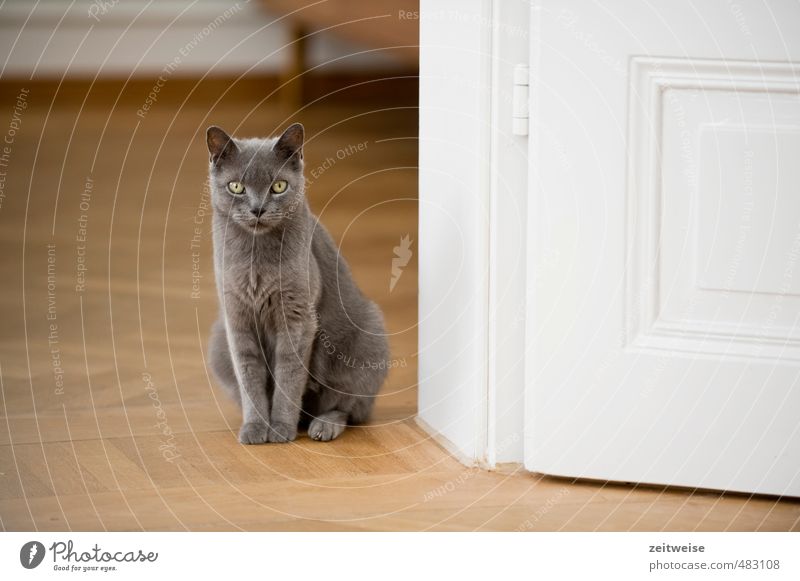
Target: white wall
[(453, 189), (137, 37), (473, 191)]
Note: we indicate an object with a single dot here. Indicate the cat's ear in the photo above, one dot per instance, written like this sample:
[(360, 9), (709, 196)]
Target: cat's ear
[(220, 144), (290, 143)]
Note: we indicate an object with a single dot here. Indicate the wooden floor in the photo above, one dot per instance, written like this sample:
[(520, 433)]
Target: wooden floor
[(109, 419)]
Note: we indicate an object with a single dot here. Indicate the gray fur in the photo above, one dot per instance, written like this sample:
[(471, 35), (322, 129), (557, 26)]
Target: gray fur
[(296, 340)]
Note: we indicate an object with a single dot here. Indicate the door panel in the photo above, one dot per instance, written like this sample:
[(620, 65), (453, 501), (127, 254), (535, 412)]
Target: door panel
[(664, 240)]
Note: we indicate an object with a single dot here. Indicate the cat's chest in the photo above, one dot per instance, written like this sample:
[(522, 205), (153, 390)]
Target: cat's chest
[(268, 277), (275, 295), (257, 285)]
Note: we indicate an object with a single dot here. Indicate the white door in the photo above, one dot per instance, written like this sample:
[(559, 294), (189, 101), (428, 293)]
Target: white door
[(663, 331)]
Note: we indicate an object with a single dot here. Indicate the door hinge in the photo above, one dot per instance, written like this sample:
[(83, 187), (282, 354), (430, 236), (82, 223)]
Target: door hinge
[(519, 101)]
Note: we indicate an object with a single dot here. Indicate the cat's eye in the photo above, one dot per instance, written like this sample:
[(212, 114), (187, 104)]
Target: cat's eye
[(235, 188), (279, 187)]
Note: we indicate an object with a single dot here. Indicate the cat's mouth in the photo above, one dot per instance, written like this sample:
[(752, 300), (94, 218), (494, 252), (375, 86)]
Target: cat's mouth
[(255, 224), (258, 225)]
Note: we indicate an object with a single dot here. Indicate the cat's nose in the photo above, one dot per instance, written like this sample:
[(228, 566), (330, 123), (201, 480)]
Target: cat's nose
[(257, 212)]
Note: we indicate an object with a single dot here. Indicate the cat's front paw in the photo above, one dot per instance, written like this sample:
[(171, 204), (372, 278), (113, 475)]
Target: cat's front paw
[(324, 431), (253, 433), (280, 432)]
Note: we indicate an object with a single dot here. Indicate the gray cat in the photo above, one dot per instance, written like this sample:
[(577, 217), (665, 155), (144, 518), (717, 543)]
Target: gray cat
[(296, 342)]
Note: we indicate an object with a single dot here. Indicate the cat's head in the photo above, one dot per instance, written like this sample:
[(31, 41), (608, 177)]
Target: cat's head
[(256, 183)]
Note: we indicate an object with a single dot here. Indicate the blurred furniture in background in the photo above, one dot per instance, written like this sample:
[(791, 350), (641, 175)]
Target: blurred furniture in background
[(331, 51), (386, 26)]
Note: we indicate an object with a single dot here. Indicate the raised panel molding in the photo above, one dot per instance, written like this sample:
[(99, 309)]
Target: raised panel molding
[(688, 122)]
